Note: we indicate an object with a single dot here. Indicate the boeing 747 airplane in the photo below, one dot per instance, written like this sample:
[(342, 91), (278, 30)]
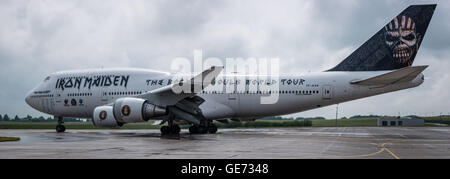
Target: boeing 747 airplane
[(115, 97)]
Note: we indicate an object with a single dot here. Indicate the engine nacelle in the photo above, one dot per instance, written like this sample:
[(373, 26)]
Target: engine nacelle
[(104, 117), (127, 110)]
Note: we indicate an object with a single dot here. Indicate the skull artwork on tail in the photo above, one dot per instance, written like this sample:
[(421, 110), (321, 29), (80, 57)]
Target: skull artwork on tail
[(402, 39)]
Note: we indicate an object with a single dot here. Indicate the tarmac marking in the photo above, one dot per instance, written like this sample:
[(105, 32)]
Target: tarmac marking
[(350, 156), (364, 155), (383, 148), (389, 151)]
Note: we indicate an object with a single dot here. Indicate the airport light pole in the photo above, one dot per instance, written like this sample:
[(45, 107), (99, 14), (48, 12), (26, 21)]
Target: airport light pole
[(337, 109)]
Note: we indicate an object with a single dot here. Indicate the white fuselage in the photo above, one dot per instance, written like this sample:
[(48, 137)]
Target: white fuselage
[(78, 93)]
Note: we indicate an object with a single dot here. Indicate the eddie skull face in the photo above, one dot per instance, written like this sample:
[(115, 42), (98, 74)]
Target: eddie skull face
[(402, 38)]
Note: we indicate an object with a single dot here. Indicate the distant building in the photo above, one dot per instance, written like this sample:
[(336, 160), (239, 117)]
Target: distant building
[(401, 121)]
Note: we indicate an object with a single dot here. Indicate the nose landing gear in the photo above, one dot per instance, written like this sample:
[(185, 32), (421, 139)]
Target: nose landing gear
[(60, 127)]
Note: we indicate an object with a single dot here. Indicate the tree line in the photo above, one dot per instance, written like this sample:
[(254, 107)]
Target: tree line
[(29, 118)]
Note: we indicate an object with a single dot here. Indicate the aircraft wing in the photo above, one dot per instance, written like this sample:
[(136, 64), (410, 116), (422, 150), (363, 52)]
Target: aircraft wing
[(401, 75), (173, 93)]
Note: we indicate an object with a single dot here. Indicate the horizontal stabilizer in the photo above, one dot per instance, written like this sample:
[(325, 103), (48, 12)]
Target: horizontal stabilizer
[(402, 75)]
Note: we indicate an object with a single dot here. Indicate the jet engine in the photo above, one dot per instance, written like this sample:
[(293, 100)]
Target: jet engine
[(126, 110), (104, 117), (136, 110)]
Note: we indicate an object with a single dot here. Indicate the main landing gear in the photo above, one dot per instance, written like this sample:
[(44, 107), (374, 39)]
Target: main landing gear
[(173, 129), (170, 130), (60, 127), (202, 129)]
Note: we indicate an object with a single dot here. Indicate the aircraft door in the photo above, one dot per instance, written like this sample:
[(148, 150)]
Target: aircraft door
[(58, 102), (233, 99), (326, 92), (104, 96)]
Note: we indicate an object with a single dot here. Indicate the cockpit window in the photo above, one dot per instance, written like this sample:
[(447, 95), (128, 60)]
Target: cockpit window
[(47, 78)]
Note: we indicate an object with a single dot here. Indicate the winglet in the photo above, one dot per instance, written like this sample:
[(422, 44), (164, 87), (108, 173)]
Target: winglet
[(199, 82), (207, 76)]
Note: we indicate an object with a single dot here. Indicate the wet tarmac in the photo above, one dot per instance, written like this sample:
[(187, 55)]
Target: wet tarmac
[(283, 143)]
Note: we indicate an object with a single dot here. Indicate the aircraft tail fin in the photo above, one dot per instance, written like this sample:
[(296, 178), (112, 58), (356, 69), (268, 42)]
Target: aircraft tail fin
[(401, 75), (394, 46)]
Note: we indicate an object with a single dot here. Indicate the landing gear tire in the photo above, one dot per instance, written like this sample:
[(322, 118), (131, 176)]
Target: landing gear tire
[(212, 129), (193, 129), (202, 129), (165, 130), (175, 129), (170, 130), (60, 128)]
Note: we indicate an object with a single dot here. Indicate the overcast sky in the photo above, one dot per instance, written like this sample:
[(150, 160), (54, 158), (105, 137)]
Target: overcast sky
[(40, 37)]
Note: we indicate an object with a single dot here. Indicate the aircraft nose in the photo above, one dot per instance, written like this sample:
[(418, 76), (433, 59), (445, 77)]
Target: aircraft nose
[(28, 99)]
